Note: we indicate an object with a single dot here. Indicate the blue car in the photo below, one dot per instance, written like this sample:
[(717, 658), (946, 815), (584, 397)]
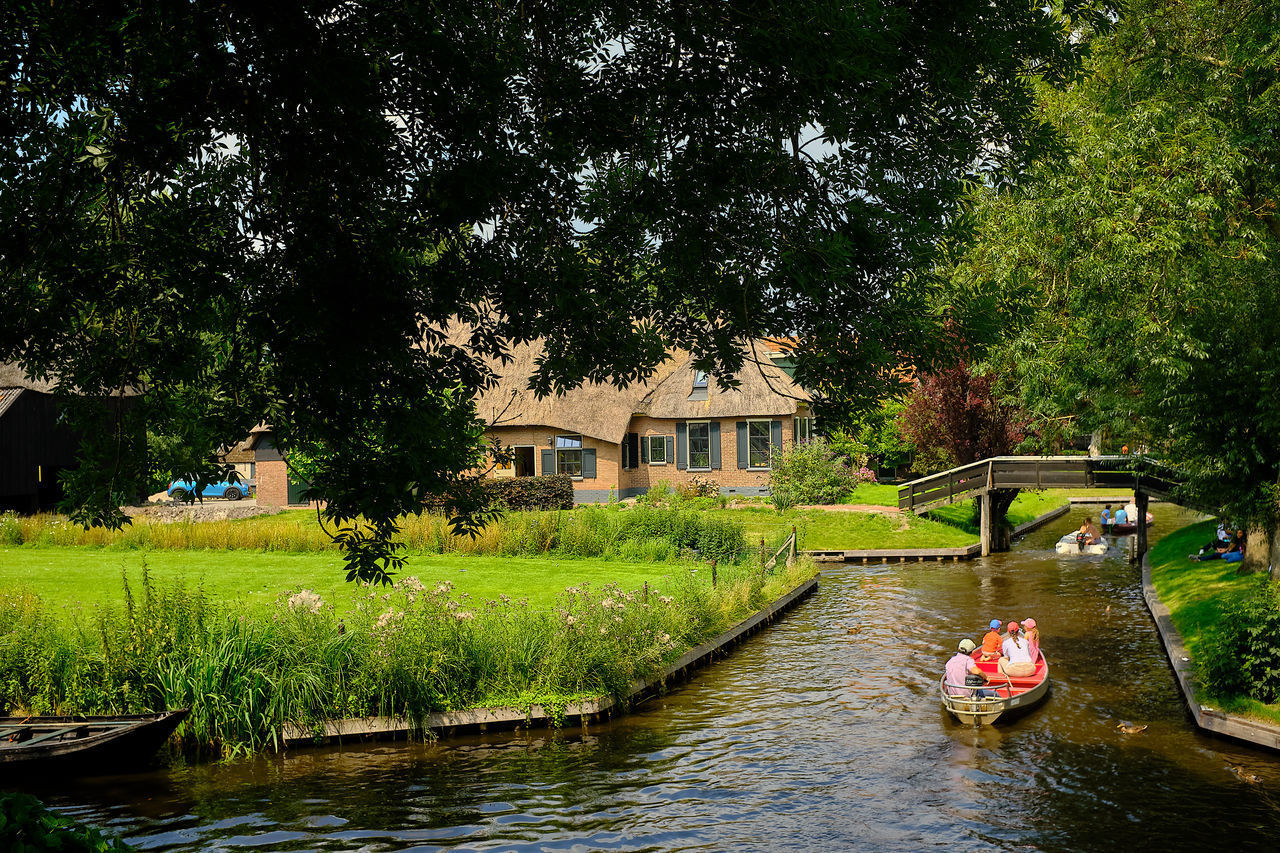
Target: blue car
[(179, 489)]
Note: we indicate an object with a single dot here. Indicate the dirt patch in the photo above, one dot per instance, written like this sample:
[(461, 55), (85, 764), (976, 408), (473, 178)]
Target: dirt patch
[(883, 510), (167, 513)]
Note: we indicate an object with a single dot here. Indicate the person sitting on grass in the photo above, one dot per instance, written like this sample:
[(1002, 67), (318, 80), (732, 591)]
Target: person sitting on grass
[(1231, 551), (961, 670), (991, 642), (1017, 661)]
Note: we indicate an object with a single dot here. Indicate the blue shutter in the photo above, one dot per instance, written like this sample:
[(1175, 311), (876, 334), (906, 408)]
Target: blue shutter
[(682, 441), (671, 448), (742, 444), (775, 439), (548, 463), (644, 450), (715, 445), (588, 463)]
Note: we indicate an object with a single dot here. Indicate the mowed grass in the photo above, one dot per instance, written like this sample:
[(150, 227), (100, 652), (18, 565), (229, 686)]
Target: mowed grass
[(873, 494), (831, 530), (93, 576), (1027, 506), (1197, 595)]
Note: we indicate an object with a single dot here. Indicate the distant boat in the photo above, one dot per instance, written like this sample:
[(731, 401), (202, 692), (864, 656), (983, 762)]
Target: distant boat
[(82, 745), (1129, 528), (1070, 545), (1011, 692)]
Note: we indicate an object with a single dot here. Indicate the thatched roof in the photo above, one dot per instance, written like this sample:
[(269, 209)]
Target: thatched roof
[(13, 376), (604, 411), (763, 389)]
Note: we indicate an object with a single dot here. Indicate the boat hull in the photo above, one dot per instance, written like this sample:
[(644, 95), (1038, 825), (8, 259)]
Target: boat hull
[(1068, 545), (82, 745)]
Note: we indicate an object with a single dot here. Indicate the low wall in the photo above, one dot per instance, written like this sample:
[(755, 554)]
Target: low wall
[(500, 719), (1209, 719)]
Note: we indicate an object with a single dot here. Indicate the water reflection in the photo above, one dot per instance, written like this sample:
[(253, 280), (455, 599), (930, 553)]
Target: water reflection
[(820, 734)]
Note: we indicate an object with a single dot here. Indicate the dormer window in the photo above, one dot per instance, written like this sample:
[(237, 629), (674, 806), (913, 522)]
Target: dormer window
[(699, 379)]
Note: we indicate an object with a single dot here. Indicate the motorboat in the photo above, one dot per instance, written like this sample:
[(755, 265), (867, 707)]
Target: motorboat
[(1072, 544), (1006, 693)]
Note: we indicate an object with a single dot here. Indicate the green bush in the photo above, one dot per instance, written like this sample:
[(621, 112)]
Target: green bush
[(811, 473), (554, 491), (1243, 657), (28, 826)]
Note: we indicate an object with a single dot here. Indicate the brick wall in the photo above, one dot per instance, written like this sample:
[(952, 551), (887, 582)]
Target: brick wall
[(730, 477), (587, 490), (273, 483)]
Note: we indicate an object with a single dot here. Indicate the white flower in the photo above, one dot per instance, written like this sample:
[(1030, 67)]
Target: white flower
[(306, 600), (607, 603), (569, 620), (464, 615)]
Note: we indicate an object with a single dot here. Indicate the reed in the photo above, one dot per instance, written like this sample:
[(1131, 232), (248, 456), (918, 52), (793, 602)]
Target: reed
[(642, 533), (409, 650)]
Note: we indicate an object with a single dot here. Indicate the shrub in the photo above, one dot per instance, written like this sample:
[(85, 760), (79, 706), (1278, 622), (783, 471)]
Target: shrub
[(811, 473), (1243, 657), (554, 491), (26, 824), (699, 486)]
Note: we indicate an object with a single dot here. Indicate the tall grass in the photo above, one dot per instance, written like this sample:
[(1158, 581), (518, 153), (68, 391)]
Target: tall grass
[(406, 651), (642, 533)]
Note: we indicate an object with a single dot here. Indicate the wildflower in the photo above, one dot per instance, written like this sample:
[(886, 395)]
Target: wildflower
[(604, 630), (664, 638), (464, 615), (305, 600), (617, 619), (607, 604), (665, 599), (411, 584), (569, 620), (388, 616)]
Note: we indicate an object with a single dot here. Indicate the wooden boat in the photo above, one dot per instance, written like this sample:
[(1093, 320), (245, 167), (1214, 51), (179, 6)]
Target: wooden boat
[(72, 745), (1129, 528), (1010, 693), (1070, 545)]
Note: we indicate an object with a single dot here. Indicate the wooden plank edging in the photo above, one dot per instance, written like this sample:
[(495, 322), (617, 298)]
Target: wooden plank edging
[(486, 719), (1210, 719), (1042, 520)]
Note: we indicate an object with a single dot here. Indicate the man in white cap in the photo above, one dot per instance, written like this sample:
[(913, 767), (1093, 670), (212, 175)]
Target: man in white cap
[(961, 665)]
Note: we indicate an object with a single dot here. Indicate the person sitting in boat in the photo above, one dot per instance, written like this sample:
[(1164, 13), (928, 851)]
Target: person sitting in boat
[(961, 670), (1131, 510), (1105, 518), (1122, 517), (991, 642), (1032, 635), (1089, 534), (1016, 660)]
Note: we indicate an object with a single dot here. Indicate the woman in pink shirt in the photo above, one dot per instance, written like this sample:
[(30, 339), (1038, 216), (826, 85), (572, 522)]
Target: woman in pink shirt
[(1032, 634)]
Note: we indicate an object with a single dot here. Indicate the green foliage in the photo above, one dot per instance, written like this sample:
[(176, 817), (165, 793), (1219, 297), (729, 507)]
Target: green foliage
[(245, 216), (410, 651), (552, 491), (811, 472), (28, 826), (1243, 657), (875, 438)]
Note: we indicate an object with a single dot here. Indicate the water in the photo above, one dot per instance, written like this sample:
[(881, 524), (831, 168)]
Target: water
[(808, 737)]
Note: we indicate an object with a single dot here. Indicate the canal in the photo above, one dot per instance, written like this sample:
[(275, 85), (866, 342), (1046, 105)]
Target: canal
[(822, 733)]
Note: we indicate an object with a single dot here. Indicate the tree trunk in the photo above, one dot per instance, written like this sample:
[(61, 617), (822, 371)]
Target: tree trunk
[(1001, 532), (1257, 552), (1095, 443)]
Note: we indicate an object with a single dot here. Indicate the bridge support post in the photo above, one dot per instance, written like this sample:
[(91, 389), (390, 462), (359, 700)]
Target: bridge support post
[(1141, 499), (986, 527)]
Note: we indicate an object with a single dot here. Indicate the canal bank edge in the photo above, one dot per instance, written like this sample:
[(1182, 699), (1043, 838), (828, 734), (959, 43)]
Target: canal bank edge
[(1210, 719), (506, 719), (920, 555)]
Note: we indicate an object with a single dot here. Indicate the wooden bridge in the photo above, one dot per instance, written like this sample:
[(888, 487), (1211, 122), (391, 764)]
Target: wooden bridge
[(1146, 477)]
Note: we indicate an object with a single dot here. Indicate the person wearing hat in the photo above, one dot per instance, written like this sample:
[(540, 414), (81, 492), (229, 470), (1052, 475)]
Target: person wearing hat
[(959, 669), (991, 642), (1032, 633), (1017, 660)]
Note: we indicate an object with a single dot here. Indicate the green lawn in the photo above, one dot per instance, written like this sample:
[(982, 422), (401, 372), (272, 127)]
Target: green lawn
[(822, 529), (873, 494), (67, 575), (1196, 595), (1027, 506)]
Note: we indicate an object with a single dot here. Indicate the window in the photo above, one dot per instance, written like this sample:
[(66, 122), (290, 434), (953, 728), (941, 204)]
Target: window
[(758, 444), (569, 455), (804, 430), (657, 449), (699, 379), (700, 445)]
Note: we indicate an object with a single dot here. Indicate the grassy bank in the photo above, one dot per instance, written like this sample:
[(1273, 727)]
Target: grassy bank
[(416, 648), (1202, 598), (822, 529), (1027, 506)]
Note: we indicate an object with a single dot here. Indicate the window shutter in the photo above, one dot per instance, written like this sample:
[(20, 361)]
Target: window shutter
[(588, 463), (671, 448), (548, 463), (715, 445), (742, 444), (633, 446), (682, 441), (644, 450), (775, 438)]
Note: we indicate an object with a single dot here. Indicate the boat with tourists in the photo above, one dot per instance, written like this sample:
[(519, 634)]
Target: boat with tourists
[(74, 745), (1129, 528), (1073, 543), (1004, 693)]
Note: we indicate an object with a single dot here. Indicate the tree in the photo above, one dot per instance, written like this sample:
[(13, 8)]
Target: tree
[(279, 210), (1144, 262), (955, 417)]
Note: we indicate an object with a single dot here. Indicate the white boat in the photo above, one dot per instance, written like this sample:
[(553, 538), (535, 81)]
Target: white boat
[(1070, 545), (1010, 692)]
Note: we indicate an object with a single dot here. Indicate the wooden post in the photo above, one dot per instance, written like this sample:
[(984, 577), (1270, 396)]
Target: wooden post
[(984, 523), (791, 556), (1141, 499)]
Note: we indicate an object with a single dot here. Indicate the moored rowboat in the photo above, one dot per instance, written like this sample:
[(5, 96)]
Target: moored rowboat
[(1010, 693), (82, 744)]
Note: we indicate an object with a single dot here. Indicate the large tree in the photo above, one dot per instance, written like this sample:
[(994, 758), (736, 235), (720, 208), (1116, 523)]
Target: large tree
[(251, 210), (1146, 261)]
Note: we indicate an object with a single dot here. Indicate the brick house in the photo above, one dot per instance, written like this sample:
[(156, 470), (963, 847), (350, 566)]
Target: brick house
[(619, 442)]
